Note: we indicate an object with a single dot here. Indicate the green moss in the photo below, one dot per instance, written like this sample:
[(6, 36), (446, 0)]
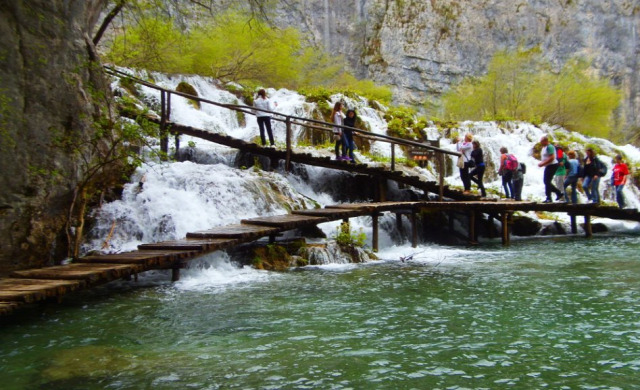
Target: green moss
[(187, 88)]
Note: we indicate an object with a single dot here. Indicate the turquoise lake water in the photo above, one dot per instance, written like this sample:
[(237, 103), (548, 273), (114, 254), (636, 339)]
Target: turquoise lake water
[(561, 314)]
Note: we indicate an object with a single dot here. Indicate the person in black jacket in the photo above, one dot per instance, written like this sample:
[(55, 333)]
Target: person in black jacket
[(478, 172), (594, 169), (347, 136)]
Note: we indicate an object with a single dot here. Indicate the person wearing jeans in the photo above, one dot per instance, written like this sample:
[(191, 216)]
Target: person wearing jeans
[(592, 174), (619, 178), (550, 164), (571, 179), (464, 147)]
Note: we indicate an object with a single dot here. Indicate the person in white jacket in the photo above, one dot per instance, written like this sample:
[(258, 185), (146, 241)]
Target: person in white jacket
[(264, 118)]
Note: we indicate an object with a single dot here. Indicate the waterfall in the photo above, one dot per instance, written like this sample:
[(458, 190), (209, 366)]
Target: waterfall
[(166, 200)]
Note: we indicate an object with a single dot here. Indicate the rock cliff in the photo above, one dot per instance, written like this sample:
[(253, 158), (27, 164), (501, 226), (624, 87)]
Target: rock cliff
[(422, 47), (46, 85)]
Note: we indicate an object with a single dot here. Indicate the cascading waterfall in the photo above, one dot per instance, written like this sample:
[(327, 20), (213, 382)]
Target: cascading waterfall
[(167, 200)]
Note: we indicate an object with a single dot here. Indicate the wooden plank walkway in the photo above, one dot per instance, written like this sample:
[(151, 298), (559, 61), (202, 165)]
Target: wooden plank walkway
[(52, 283)]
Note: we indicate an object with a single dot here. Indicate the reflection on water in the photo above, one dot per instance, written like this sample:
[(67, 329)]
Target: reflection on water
[(540, 314)]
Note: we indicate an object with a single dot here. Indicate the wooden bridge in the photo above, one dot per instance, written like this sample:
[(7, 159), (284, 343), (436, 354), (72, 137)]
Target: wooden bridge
[(52, 283)]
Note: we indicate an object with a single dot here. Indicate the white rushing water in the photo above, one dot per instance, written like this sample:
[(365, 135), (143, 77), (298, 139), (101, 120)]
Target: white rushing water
[(178, 197)]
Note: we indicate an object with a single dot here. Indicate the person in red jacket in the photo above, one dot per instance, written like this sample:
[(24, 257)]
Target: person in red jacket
[(619, 177)]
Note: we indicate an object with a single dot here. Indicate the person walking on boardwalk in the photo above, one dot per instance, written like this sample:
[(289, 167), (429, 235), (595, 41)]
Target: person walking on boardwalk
[(550, 164), (465, 147), (478, 172), (264, 118), (594, 170), (571, 180), (506, 170), (518, 181), (347, 136), (619, 178), (561, 172), (338, 118)]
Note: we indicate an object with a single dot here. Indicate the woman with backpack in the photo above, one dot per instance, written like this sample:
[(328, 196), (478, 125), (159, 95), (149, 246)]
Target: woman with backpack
[(573, 174), (464, 147), (347, 136), (550, 164), (506, 171), (594, 169)]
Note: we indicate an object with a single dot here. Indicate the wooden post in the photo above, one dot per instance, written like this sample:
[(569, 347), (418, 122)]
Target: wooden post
[(504, 217), (393, 157), (164, 140), (587, 226), (287, 165), (574, 224), (175, 274), (441, 178), (272, 238), (374, 238), (472, 227), (399, 222), (414, 229)]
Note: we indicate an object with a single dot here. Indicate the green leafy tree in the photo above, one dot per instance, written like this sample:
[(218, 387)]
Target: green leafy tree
[(519, 85)]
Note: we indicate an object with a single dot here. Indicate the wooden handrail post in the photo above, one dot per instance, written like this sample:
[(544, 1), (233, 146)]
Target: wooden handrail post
[(393, 157), (441, 178), (287, 165), (164, 140)]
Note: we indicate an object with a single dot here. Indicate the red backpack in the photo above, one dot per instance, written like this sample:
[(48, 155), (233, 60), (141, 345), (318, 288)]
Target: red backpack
[(511, 163)]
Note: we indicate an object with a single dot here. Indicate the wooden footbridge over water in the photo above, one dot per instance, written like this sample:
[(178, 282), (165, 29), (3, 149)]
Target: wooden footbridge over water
[(31, 286)]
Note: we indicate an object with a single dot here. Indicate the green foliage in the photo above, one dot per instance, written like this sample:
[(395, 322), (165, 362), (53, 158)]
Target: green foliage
[(518, 85), (345, 237), (6, 140), (230, 48), (403, 122)]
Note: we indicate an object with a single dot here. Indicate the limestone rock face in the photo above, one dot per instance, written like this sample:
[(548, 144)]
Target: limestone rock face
[(421, 47), (46, 79)]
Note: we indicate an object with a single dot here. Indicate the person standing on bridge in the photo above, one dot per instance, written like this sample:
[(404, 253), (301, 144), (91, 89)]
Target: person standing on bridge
[(264, 118), (478, 172), (338, 118), (550, 164), (594, 169), (508, 165), (619, 177), (347, 136), (573, 170), (465, 147)]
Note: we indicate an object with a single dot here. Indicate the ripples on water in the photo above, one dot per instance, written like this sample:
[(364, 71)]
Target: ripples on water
[(541, 314)]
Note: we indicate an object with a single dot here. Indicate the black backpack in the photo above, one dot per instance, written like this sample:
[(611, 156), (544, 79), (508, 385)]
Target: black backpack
[(522, 168)]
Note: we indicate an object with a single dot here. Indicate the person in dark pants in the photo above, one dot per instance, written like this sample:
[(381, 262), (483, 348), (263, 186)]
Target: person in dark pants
[(347, 136), (464, 147), (264, 118), (518, 181), (478, 172), (550, 164), (507, 174)]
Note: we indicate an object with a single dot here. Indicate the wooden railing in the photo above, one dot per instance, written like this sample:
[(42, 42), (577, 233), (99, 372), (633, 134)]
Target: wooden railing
[(288, 120)]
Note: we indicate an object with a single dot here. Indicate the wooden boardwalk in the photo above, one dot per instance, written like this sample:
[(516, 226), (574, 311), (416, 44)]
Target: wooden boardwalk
[(52, 283)]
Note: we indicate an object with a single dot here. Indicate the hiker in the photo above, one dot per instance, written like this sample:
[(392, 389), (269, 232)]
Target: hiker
[(478, 172), (506, 170), (561, 172), (465, 147), (518, 181), (264, 118), (571, 180), (619, 178), (594, 170), (550, 164), (347, 136), (337, 117)]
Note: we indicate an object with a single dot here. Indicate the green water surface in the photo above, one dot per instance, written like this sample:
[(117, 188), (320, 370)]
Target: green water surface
[(541, 314)]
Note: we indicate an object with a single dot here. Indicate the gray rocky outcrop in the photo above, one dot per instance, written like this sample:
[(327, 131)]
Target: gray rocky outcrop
[(46, 92), (422, 47)]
